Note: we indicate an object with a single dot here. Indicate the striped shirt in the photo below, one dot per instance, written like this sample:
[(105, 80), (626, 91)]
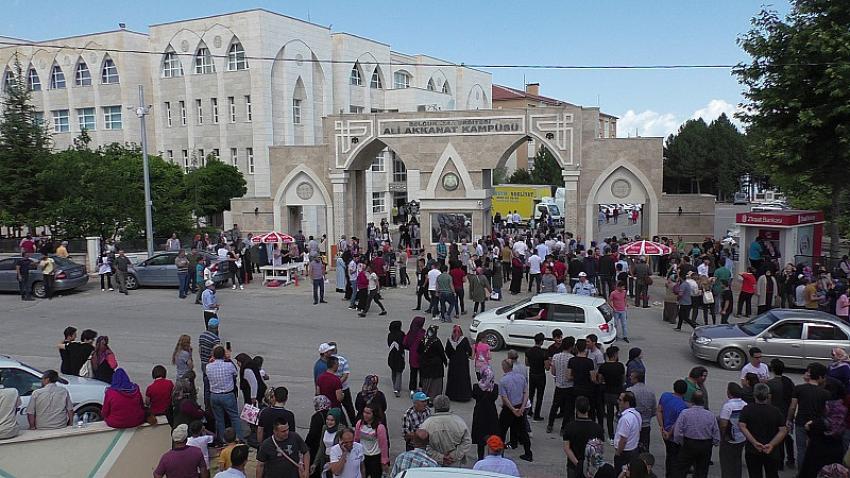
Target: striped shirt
[(206, 342)]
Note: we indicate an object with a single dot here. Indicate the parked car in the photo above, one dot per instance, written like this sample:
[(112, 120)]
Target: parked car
[(797, 336), (741, 198), (576, 315), (68, 275), (448, 473), (159, 270), (86, 393), (770, 207)]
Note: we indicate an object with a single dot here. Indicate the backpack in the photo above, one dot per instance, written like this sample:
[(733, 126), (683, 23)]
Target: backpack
[(593, 456)]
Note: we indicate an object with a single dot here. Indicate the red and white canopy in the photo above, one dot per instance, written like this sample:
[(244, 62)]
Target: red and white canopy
[(272, 238), (645, 248)]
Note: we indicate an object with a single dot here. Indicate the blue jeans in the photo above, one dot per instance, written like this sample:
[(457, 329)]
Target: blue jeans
[(222, 403), (620, 321), (353, 293), (447, 304), (318, 290), (183, 279)]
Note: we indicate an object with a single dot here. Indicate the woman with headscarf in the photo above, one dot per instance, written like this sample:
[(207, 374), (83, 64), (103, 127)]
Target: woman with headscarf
[(433, 363), (321, 405), (328, 437), (103, 363), (839, 369), (123, 406), (395, 357), (485, 418), (635, 364), (516, 275), (412, 341), (370, 395), (458, 351), (479, 289), (184, 406), (341, 276), (824, 431)]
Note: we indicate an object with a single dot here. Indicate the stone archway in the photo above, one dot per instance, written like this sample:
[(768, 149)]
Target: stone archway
[(302, 193), (622, 182)]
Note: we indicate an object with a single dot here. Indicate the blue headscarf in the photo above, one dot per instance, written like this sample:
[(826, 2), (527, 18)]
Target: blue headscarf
[(121, 382)]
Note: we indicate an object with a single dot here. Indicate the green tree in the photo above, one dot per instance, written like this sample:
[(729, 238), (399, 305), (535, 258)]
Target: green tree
[(798, 100), (210, 188), (24, 147), (519, 176), (729, 157), (546, 169), (687, 155)]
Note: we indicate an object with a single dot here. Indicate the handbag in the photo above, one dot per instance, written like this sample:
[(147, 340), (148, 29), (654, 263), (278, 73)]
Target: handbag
[(647, 280), (708, 297), (250, 414), (85, 370)]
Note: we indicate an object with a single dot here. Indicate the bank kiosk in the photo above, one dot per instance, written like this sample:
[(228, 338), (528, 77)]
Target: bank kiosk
[(796, 234)]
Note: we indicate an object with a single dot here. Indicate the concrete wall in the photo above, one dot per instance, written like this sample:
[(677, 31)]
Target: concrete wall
[(696, 221)]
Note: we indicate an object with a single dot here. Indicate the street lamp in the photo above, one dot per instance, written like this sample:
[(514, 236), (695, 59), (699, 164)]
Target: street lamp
[(142, 111)]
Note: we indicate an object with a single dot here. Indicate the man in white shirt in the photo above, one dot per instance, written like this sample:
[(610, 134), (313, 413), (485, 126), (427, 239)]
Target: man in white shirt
[(520, 248), (534, 271), (755, 366), (542, 249), (627, 434), (702, 269), (732, 440), (346, 457), (434, 307)]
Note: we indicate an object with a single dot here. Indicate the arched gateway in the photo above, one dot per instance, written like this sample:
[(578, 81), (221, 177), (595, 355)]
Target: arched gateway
[(450, 157)]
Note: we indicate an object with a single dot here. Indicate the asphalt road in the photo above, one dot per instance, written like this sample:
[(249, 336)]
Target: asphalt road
[(283, 326)]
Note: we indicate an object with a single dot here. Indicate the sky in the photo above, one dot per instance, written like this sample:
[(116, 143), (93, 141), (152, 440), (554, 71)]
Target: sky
[(498, 32)]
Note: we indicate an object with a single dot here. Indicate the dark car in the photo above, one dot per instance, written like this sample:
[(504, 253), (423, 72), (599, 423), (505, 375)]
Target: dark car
[(68, 275), (159, 270)]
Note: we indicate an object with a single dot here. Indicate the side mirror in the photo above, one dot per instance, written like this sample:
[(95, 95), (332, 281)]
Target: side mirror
[(767, 335), (512, 317)]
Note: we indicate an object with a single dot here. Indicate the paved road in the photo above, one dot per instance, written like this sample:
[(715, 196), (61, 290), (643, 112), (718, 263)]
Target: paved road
[(283, 326)]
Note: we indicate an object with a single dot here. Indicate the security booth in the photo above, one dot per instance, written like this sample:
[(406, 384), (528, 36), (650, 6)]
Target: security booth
[(795, 234)]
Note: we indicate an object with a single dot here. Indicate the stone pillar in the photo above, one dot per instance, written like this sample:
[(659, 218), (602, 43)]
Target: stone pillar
[(340, 186), (571, 206), (92, 253)]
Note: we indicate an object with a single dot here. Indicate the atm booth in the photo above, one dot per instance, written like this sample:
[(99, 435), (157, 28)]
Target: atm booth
[(796, 234)]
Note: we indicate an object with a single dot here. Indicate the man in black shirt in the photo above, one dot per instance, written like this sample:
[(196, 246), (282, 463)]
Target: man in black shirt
[(582, 372), (75, 354), (763, 426), (284, 454), (23, 265), (269, 415), (612, 375), (781, 389), (557, 341), (538, 362), (577, 434), (807, 400)]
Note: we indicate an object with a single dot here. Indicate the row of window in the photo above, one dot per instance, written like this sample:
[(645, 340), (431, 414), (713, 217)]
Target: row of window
[(399, 169), (203, 61), (86, 119), (401, 80), (82, 76), (213, 111), (199, 158)]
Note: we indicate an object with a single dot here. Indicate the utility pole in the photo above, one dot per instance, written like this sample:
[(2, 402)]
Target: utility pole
[(142, 110)]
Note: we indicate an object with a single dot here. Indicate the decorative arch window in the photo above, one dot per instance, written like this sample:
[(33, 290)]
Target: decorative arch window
[(171, 66), (401, 79), (445, 89), (236, 59), (8, 79), (356, 77), (109, 73), (431, 86), (33, 81), (82, 75), (57, 78), (203, 61), (376, 82)]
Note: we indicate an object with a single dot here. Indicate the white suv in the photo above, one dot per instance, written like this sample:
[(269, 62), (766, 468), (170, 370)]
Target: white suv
[(516, 325)]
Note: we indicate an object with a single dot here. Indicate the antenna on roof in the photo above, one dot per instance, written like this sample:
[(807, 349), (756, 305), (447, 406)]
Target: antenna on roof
[(122, 25), (308, 13)]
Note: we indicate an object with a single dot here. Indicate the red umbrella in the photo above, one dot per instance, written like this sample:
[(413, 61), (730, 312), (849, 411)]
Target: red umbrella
[(272, 237), (645, 248)]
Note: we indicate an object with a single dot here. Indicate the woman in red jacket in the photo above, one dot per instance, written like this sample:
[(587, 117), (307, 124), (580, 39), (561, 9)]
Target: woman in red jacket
[(122, 405)]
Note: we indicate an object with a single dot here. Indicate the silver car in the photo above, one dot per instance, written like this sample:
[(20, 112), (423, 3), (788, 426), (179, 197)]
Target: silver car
[(86, 393), (68, 275), (796, 336), (159, 270)]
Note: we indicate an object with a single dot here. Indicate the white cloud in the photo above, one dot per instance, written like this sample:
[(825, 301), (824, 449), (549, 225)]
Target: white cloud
[(652, 123), (715, 108)]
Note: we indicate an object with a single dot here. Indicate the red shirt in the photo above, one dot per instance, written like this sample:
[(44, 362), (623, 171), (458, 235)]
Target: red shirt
[(618, 300), (748, 284), (328, 384), (159, 395), (560, 270), (28, 245), (123, 409), (457, 277), (378, 266)]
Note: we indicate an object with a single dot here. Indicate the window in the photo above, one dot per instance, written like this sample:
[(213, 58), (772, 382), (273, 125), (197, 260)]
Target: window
[(214, 105), (38, 118), (236, 59), (378, 203), (170, 154), (248, 110), (86, 119), (356, 78), (566, 313), (250, 153), (399, 169), (376, 80), (186, 160), (112, 117), (401, 79), (231, 104), (203, 61), (296, 111), (22, 381), (431, 86), (171, 66), (8, 79), (216, 153), (161, 260), (788, 330), (200, 109), (825, 332), (61, 124), (202, 158), (378, 163), (355, 109), (445, 88), (109, 75), (168, 113), (183, 113), (234, 156), (33, 82), (57, 78), (82, 76)]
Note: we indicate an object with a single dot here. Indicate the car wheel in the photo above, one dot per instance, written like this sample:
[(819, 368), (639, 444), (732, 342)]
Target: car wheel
[(732, 358), (38, 289), (91, 411), (132, 283), (493, 339)]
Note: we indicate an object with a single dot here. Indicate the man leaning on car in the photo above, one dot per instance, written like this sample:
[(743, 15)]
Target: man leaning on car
[(50, 406)]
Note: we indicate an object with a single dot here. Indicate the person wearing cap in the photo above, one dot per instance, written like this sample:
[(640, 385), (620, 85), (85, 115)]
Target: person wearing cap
[(413, 418), (584, 286), (182, 460), (449, 438), (209, 301), (416, 456), (494, 461)]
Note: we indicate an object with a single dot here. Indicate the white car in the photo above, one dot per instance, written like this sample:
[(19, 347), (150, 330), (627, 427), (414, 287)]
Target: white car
[(576, 315), (448, 473), (86, 393), (769, 207)]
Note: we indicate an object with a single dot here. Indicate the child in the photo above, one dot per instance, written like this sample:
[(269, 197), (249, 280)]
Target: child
[(158, 394), (200, 438), (229, 444)]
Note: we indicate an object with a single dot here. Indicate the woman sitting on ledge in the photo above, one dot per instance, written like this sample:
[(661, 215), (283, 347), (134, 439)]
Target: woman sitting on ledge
[(122, 405)]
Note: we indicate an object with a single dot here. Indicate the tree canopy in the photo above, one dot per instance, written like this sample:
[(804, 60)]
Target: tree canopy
[(546, 170)]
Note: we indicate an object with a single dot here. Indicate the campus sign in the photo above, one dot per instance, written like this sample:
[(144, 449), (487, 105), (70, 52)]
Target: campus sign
[(452, 126)]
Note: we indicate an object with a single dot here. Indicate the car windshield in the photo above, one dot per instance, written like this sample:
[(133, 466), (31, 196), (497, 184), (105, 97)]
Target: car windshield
[(502, 310), (554, 211), (41, 373), (758, 324)]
